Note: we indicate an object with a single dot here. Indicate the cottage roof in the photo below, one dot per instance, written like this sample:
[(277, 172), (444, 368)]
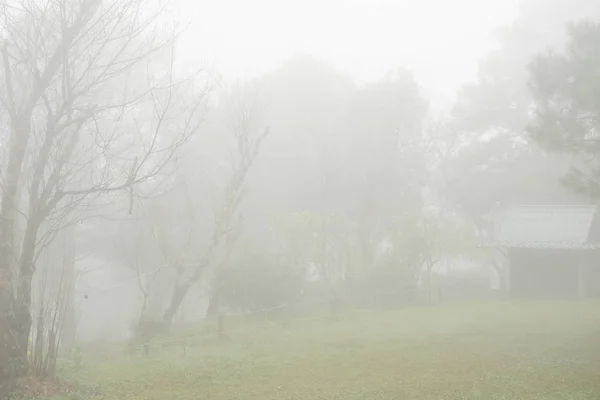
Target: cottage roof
[(553, 227)]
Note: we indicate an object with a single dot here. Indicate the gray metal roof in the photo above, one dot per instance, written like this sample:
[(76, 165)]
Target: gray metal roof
[(556, 227)]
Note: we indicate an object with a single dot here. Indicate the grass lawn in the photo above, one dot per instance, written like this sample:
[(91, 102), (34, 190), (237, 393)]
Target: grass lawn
[(507, 351)]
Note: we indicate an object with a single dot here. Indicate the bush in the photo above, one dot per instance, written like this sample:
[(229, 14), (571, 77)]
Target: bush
[(383, 287), (260, 281)]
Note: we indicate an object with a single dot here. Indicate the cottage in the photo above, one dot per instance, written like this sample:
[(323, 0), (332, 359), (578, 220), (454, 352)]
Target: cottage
[(552, 251)]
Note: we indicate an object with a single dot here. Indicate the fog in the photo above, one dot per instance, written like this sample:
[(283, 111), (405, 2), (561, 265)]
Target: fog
[(300, 187), (365, 39)]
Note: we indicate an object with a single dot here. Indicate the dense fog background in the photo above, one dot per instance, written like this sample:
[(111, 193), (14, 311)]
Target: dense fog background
[(213, 158), (367, 135)]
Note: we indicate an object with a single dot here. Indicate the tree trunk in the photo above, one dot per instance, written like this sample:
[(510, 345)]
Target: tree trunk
[(501, 272), (68, 331), (214, 310), (502, 278), (22, 317), (38, 353), (5, 336), (213, 306), (18, 144), (181, 289), (179, 293), (21, 327)]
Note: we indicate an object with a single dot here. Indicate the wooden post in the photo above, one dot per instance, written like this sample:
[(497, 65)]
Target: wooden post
[(581, 279), (506, 276)]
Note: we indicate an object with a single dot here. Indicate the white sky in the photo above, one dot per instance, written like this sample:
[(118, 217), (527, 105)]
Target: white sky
[(439, 40)]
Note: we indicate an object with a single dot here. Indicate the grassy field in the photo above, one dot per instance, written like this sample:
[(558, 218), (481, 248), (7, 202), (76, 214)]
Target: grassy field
[(485, 351)]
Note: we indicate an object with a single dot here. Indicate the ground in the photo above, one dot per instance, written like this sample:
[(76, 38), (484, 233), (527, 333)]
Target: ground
[(466, 351)]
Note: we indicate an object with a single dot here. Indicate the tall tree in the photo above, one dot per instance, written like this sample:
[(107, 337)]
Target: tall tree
[(487, 140), (566, 113), (90, 112), (499, 99), (490, 118), (303, 101), (382, 166)]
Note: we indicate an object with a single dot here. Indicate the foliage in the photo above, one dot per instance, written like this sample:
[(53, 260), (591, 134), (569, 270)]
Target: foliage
[(488, 160), (499, 99), (492, 161), (566, 91), (383, 156), (256, 280), (316, 239)]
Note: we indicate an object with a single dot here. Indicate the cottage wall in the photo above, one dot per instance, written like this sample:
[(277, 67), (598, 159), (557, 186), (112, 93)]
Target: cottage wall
[(544, 273)]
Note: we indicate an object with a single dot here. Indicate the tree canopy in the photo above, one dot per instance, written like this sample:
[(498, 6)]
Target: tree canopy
[(565, 86)]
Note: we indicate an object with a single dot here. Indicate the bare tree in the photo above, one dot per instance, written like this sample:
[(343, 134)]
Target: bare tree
[(242, 114), (94, 108), (131, 253)]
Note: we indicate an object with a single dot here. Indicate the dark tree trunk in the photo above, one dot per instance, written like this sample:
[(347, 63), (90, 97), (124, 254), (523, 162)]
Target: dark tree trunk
[(214, 311), (8, 340), (181, 289), (38, 361), (179, 293), (213, 306), (22, 318), (21, 328), (502, 272), (5, 334)]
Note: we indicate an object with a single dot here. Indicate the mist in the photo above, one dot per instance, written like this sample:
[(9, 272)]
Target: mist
[(364, 199)]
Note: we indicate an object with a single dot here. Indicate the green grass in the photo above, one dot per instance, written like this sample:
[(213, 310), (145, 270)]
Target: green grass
[(486, 351)]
